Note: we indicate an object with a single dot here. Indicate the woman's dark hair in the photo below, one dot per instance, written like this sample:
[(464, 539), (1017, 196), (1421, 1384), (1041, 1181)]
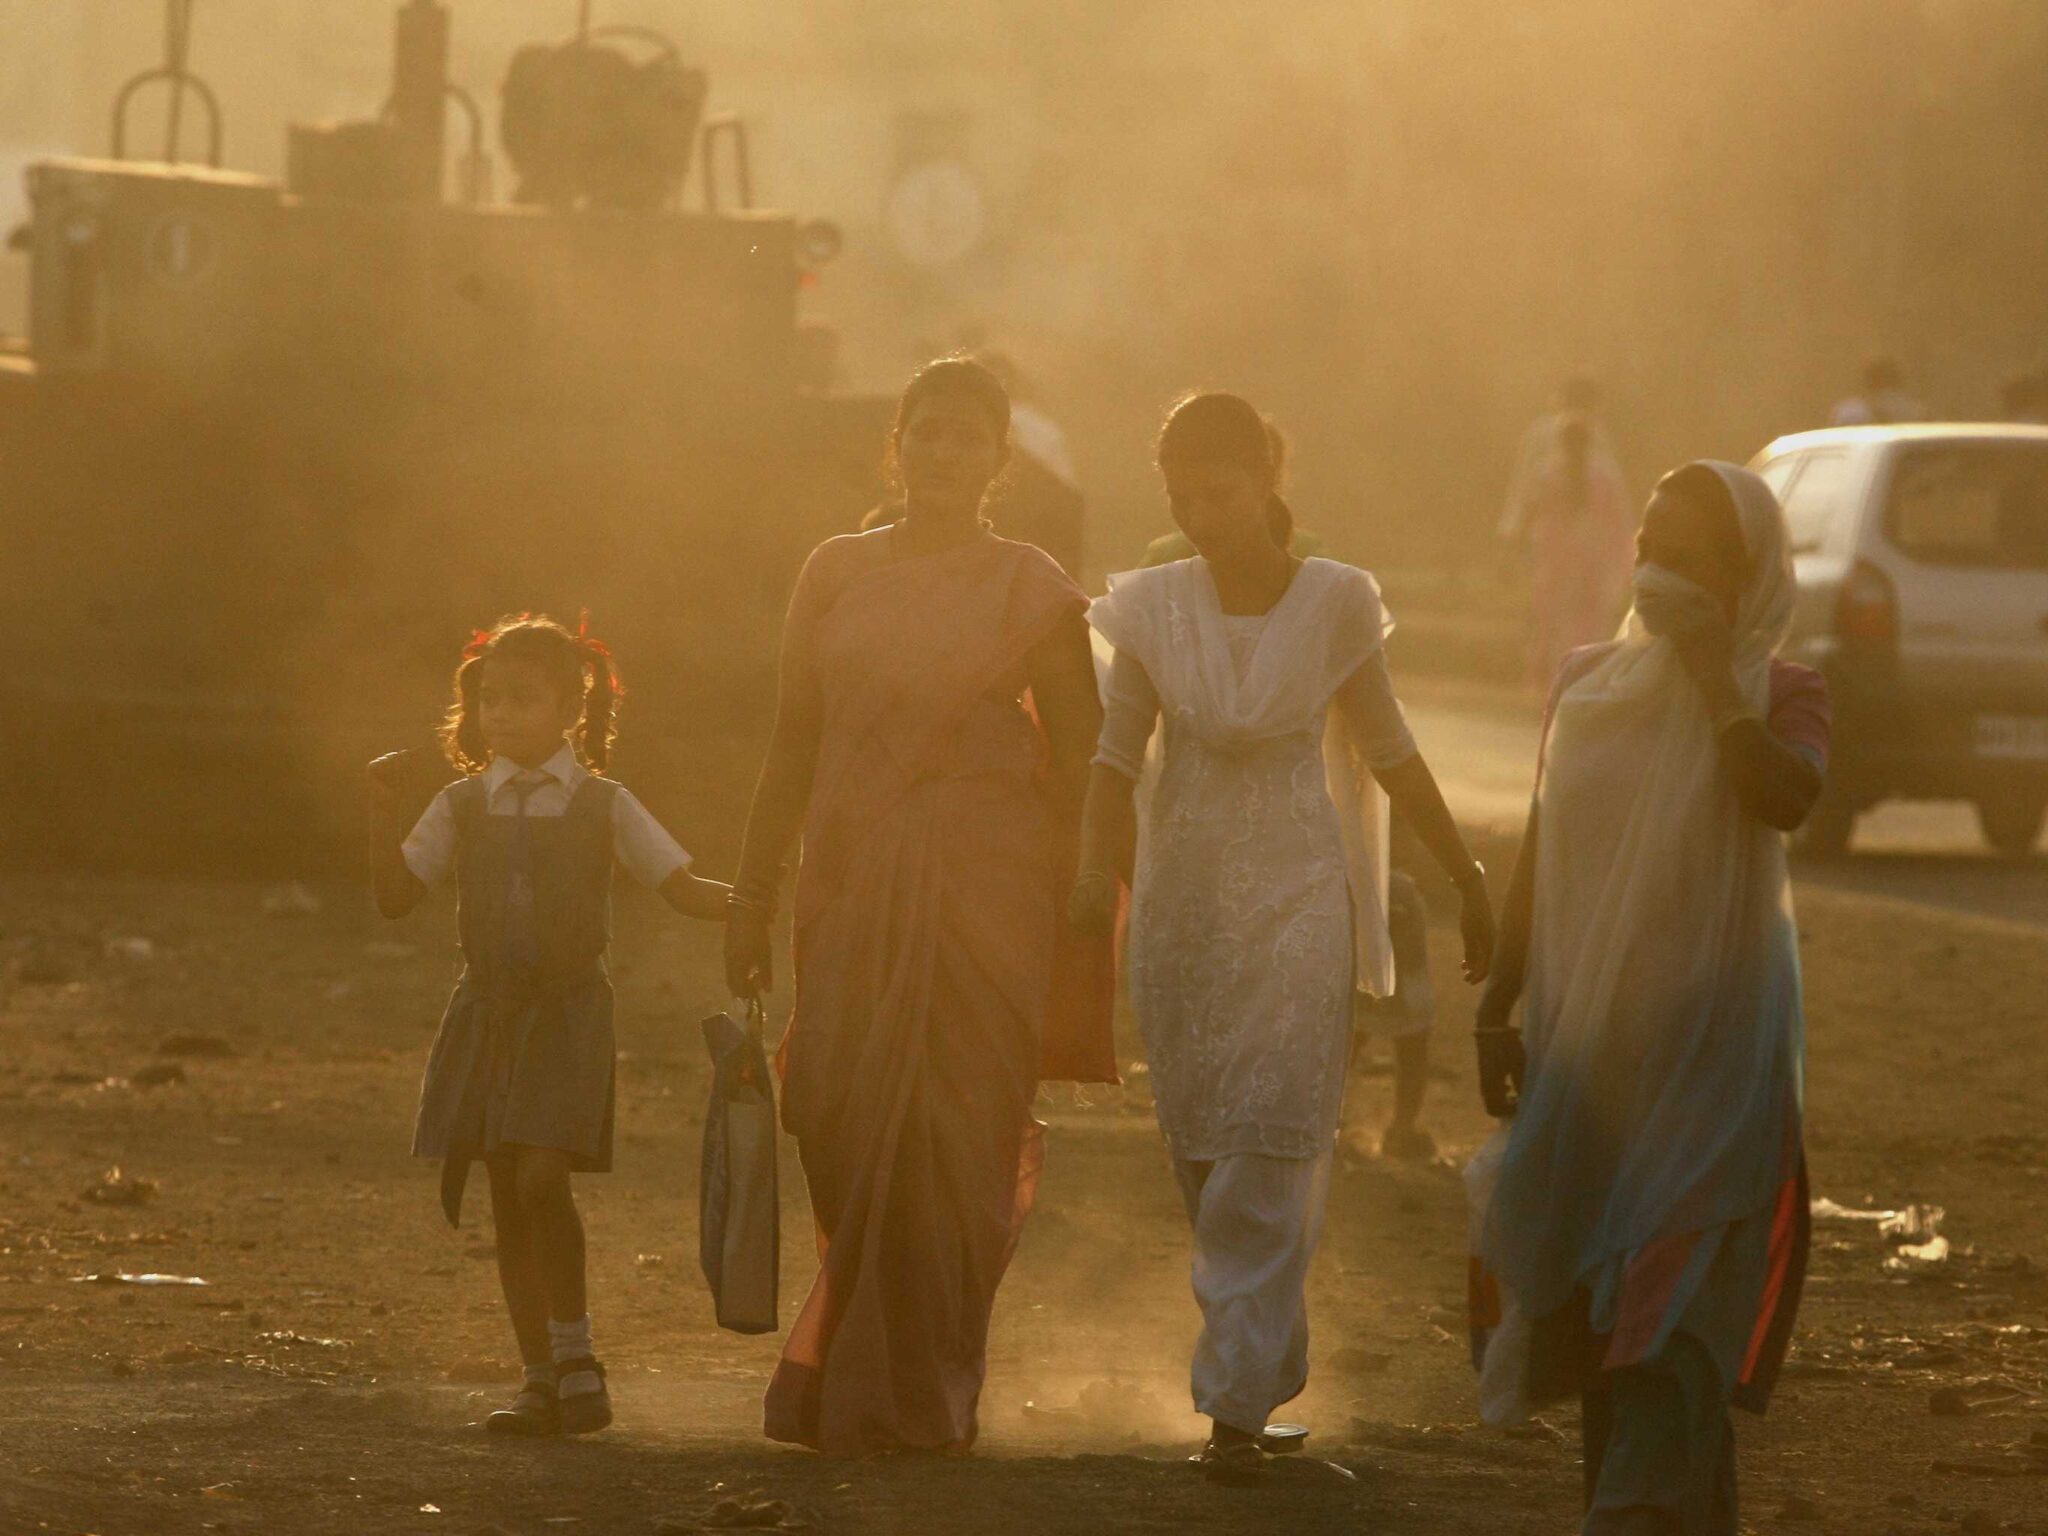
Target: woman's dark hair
[(576, 662), (1215, 427), (962, 378)]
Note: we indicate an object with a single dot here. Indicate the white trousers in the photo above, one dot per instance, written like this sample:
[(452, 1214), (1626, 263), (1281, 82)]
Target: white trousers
[(1256, 1223)]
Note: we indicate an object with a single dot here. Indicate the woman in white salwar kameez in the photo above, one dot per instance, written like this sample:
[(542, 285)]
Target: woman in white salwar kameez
[(1260, 899)]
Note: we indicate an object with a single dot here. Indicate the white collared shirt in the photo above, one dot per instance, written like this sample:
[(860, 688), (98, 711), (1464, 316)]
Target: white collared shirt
[(639, 842)]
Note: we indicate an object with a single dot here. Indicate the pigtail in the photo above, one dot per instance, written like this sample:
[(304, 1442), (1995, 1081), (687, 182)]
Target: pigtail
[(462, 730), (601, 702)]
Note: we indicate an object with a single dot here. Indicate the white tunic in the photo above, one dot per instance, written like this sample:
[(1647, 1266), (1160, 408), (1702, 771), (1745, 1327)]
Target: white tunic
[(1243, 945)]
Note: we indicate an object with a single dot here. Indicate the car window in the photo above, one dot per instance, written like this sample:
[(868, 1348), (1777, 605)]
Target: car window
[(1816, 497), (1780, 473), (1972, 504)]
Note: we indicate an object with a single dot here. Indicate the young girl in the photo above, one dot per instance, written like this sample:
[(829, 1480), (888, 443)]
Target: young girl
[(521, 1071)]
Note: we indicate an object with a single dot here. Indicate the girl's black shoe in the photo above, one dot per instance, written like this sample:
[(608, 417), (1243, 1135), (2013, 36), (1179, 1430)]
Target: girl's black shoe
[(533, 1412), (582, 1412)]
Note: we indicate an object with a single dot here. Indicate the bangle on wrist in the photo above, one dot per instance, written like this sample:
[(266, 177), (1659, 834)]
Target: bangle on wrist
[(761, 888), (737, 902)]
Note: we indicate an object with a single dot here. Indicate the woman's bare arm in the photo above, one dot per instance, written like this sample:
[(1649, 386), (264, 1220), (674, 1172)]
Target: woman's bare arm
[(1502, 1061), (783, 791), (1109, 819), (1061, 668), (1371, 718), (1776, 783), (1511, 958)]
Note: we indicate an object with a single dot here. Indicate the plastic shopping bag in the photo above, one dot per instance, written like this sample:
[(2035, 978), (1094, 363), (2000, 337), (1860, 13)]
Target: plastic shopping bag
[(740, 1233)]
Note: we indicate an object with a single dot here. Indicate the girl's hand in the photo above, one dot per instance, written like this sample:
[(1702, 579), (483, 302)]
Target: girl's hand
[(749, 953), (385, 781), (1475, 923), (1091, 908)]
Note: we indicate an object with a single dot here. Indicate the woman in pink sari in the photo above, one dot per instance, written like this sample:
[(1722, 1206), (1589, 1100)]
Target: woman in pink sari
[(1570, 505), (936, 716)]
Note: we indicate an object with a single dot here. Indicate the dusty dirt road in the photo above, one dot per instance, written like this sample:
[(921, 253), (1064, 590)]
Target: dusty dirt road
[(329, 1376)]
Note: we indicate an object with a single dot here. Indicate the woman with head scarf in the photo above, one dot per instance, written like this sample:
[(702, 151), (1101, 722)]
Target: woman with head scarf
[(1650, 1219)]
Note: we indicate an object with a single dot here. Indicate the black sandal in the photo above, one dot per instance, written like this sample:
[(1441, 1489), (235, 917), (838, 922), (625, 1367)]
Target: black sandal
[(534, 1411), (583, 1412), (1240, 1464)]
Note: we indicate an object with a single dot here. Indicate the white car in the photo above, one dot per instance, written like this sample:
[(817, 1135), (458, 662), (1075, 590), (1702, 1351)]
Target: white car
[(1922, 554)]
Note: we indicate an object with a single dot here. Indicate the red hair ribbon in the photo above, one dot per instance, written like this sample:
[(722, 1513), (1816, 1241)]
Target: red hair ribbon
[(586, 639)]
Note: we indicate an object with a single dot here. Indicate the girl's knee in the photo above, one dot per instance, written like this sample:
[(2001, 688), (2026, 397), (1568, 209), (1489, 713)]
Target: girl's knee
[(542, 1180)]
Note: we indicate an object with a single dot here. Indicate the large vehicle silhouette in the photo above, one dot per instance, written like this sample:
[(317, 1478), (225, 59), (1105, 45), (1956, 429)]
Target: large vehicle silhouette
[(276, 446)]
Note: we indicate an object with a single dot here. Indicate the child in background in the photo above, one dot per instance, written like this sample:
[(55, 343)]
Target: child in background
[(521, 1074), (1404, 1019)]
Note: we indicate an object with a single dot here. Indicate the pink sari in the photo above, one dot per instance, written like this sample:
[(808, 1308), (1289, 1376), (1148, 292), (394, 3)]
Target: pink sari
[(925, 936)]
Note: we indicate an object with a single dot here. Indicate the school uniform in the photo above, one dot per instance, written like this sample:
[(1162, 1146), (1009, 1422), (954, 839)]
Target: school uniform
[(525, 1053)]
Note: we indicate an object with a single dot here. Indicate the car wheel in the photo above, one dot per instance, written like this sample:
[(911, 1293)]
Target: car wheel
[(1827, 830), (2012, 823)]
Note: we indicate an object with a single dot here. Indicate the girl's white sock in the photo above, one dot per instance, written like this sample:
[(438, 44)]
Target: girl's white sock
[(571, 1341)]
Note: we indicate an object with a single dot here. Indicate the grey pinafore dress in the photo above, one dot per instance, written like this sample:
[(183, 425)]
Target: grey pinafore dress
[(525, 1055)]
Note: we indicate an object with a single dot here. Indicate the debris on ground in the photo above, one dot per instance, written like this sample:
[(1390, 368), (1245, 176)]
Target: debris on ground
[(127, 1279), (133, 947), (1915, 1225), (117, 1188), (649, 1260), (288, 1338), (1918, 1258)]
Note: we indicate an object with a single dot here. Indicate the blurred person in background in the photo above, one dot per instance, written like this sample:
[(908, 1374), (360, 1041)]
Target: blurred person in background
[(1568, 513), (1258, 905), (1403, 1019), (1883, 400), (936, 713), (2023, 398), (1650, 1222)]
